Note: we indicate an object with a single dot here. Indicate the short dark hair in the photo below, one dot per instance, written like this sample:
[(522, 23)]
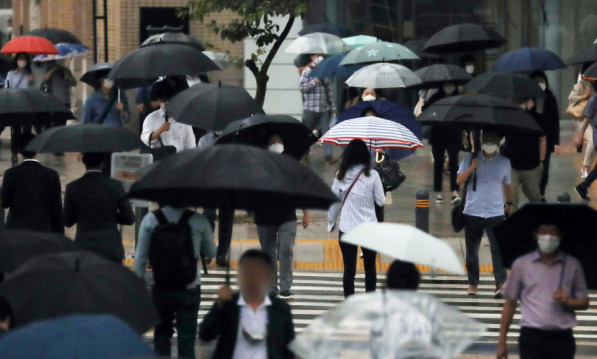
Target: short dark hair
[(256, 254), (403, 275), (24, 140), (93, 159), (5, 309)]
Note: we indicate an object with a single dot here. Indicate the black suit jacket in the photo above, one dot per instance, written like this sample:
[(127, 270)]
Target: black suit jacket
[(97, 204), (224, 322), (32, 192)]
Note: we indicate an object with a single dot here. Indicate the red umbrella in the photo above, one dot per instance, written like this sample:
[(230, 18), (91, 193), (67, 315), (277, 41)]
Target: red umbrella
[(29, 44)]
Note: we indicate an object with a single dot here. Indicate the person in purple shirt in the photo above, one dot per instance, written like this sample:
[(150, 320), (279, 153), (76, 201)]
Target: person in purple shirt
[(550, 286)]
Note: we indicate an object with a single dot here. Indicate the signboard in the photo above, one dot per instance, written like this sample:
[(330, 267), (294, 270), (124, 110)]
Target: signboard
[(126, 168)]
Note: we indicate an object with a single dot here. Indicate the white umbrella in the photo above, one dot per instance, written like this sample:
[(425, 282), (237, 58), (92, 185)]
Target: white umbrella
[(316, 43), (406, 243), (219, 58), (383, 75)]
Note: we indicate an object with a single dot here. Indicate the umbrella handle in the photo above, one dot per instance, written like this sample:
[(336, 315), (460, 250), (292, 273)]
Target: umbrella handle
[(379, 157)]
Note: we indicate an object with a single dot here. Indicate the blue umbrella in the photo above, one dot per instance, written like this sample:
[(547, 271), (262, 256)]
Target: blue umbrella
[(528, 59), (390, 111), (330, 67), (65, 51), (75, 336)]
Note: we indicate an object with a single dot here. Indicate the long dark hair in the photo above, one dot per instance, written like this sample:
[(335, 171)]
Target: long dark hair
[(356, 153)]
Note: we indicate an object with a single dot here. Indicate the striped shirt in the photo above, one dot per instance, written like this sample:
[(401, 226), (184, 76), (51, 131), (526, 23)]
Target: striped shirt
[(317, 97), (360, 203)]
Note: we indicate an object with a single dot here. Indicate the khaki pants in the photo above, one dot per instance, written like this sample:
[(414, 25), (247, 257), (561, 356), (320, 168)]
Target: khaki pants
[(528, 181)]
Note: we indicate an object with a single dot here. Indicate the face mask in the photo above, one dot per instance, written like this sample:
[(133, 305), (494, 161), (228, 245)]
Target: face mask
[(489, 148), (108, 83), (218, 133), (448, 89), (470, 69), (22, 64), (162, 105), (318, 60), (276, 147), (368, 98), (543, 85), (547, 243)]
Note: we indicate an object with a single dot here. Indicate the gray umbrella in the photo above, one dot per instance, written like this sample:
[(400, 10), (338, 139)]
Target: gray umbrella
[(438, 74), (378, 52), (383, 75)]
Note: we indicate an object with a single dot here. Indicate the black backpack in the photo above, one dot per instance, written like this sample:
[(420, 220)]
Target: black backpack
[(171, 252)]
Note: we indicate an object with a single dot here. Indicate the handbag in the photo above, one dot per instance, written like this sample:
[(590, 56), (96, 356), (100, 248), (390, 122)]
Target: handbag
[(390, 174), (577, 109)]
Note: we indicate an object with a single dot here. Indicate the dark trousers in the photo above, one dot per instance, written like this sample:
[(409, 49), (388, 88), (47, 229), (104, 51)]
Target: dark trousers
[(545, 175), (438, 150), (182, 305), (546, 344), (349, 257), (226, 222), (473, 233), (15, 136)]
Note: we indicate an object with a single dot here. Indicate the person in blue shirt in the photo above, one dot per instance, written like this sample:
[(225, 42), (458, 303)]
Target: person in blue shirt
[(94, 110)]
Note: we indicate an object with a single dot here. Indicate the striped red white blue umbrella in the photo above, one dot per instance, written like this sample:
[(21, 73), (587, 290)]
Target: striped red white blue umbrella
[(377, 133)]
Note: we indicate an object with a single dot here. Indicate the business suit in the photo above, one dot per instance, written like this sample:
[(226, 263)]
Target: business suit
[(32, 193), (97, 204), (224, 322)]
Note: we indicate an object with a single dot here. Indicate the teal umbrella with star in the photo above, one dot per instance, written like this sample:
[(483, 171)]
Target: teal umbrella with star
[(380, 51)]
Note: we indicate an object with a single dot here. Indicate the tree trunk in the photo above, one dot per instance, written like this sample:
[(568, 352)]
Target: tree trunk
[(261, 80)]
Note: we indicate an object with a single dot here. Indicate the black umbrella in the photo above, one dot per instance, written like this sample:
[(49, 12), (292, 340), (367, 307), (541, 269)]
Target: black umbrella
[(417, 46), (141, 67), (173, 38), (586, 54), (56, 36), (212, 106), (590, 73), (463, 38), (436, 75), (505, 84), (233, 176), (18, 246), (255, 130), (338, 30), (515, 235), (54, 285), (478, 111), (30, 106), (85, 138), (92, 76)]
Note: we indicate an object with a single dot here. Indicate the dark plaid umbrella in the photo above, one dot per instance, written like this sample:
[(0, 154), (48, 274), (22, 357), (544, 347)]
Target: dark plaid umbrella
[(256, 130), (516, 238), (141, 67), (18, 246), (173, 38), (30, 106), (233, 176), (463, 38), (85, 138), (338, 30), (478, 111), (93, 75), (436, 75), (54, 285), (212, 106), (528, 59), (55, 35), (584, 55), (505, 84)]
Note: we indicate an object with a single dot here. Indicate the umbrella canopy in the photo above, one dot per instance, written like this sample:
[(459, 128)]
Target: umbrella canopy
[(65, 51), (406, 243), (255, 130), (383, 75), (234, 176), (173, 38), (29, 44), (18, 246), (338, 30), (478, 111), (584, 55), (219, 58), (77, 283), (417, 46), (516, 238), (92, 76), (330, 67), (436, 75), (378, 133), (389, 324), (212, 106), (463, 38), (141, 67), (379, 52), (316, 43), (30, 106), (56, 36), (528, 59), (353, 42), (85, 138), (75, 336), (505, 84), (590, 73)]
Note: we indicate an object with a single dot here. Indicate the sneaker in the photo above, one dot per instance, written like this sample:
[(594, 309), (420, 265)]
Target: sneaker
[(456, 200), (439, 198), (222, 262), (286, 295), (331, 159), (499, 288), (584, 173), (582, 192), (472, 290)]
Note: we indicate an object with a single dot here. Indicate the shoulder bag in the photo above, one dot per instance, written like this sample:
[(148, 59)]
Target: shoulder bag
[(390, 174), (161, 152)]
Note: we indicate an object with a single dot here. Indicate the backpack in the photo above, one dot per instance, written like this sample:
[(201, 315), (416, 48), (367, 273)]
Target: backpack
[(171, 253)]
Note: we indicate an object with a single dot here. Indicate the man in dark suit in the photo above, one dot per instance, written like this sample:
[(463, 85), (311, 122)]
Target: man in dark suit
[(97, 204), (32, 194), (251, 323)]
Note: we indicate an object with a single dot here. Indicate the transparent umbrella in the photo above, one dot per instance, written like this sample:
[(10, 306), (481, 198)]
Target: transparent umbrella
[(388, 325), (316, 43), (384, 75)]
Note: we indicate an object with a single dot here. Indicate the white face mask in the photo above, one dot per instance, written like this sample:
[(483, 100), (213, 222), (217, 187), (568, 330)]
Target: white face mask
[(543, 85), (490, 148), (108, 83), (22, 64), (547, 243), (470, 69), (318, 60), (448, 89), (276, 147), (368, 98), (162, 105)]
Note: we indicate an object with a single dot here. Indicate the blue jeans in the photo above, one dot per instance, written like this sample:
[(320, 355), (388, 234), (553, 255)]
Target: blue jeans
[(319, 120)]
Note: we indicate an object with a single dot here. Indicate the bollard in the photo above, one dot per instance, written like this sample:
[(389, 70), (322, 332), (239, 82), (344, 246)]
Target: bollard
[(564, 198), (422, 211)]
